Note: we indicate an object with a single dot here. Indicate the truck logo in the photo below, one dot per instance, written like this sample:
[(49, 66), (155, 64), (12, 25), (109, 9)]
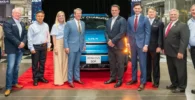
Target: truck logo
[(92, 38)]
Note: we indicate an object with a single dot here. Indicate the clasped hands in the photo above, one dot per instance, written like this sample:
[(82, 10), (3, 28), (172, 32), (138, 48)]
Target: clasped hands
[(110, 43)]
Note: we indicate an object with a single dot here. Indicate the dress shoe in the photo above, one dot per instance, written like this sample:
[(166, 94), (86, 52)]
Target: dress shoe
[(141, 87), (18, 86), (178, 90), (109, 81), (131, 82), (79, 81), (71, 85), (149, 80), (155, 86), (7, 92), (43, 80), (171, 87), (193, 91), (35, 82), (118, 84)]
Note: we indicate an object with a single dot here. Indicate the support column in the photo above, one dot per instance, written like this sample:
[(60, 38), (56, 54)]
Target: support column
[(36, 6)]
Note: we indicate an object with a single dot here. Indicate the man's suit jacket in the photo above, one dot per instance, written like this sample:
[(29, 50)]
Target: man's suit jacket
[(74, 40), (12, 37), (141, 36), (177, 39), (117, 33), (156, 36)]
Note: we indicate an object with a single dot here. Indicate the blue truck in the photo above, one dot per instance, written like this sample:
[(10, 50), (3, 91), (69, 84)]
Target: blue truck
[(95, 57)]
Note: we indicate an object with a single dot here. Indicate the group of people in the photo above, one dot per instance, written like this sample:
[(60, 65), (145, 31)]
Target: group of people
[(147, 37), (68, 41)]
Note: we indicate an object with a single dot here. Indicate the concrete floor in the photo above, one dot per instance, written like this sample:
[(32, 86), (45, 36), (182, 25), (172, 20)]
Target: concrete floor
[(161, 94)]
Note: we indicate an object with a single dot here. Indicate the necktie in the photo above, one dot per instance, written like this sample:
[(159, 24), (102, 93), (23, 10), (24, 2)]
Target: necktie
[(135, 23), (79, 27), (168, 29)]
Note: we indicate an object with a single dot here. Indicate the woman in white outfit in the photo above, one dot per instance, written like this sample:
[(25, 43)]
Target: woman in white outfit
[(60, 57)]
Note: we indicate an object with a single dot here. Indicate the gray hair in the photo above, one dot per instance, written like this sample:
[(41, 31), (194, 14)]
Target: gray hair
[(17, 9), (77, 9), (174, 10)]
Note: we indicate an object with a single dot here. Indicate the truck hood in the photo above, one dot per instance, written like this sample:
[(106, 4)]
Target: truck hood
[(95, 36)]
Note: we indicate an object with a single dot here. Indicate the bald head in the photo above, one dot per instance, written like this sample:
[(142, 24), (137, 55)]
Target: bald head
[(16, 13), (173, 14)]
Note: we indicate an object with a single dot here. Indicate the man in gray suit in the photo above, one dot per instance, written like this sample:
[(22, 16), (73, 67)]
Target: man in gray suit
[(115, 32), (176, 39), (74, 44)]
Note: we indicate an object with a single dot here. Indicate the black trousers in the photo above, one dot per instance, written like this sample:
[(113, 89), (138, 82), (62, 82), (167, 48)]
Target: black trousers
[(116, 60), (192, 52), (178, 71), (38, 61), (153, 67)]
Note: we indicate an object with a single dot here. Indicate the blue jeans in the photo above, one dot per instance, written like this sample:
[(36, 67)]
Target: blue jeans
[(12, 69)]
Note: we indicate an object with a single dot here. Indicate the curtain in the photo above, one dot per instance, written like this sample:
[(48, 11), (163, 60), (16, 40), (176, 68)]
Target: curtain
[(51, 7)]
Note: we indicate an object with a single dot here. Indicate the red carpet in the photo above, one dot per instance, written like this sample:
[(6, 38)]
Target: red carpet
[(92, 80)]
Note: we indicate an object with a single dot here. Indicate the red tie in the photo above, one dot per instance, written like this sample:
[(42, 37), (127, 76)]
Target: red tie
[(168, 29), (135, 23)]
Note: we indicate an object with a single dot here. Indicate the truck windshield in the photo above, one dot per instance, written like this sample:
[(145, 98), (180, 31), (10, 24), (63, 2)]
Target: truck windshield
[(96, 24)]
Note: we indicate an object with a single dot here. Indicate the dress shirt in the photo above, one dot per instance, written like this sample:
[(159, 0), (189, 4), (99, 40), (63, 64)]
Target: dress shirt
[(113, 20), (77, 24), (19, 26), (38, 34), (191, 25), (58, 30), (151, 20)]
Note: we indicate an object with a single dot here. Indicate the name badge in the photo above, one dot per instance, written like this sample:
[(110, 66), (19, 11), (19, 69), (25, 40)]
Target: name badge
[(14, 25), (154, 26)]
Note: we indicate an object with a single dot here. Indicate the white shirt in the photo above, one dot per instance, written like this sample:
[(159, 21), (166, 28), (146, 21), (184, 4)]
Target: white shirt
[(151, 20), (113, 20), (173, 23), (191, 24), (19, 26), (38, 34), (58, 30), (77, 24)]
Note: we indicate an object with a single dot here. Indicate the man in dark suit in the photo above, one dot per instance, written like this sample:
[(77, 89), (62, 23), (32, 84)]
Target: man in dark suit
[(154, 48), (115, 32), (138, 31), (176, 39), (15, 40)]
